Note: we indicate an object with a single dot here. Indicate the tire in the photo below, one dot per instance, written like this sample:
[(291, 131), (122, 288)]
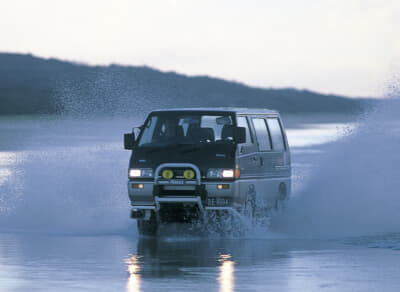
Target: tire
[(148, 227)]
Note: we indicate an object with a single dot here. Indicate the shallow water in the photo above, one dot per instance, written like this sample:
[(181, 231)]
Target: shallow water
[(64, 221), (125, 263)]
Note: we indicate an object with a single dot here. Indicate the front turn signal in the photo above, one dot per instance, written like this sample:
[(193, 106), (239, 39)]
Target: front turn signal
[(237, 173)]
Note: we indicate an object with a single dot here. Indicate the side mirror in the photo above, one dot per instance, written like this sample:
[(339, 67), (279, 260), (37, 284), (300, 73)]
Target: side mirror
[(240, 135), (129, 141)]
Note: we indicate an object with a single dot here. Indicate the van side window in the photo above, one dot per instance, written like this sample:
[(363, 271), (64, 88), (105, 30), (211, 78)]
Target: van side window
[(264, 143), (276, 134), (242, 122)]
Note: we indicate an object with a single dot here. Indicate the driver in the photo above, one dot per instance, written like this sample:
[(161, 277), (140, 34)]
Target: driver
[(170, 128), (168, 132)]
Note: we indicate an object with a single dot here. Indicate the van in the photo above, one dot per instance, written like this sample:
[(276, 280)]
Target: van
[(190, 161)]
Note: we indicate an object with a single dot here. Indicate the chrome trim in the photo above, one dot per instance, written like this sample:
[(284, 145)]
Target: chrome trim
[(179, 188), (143, 207)]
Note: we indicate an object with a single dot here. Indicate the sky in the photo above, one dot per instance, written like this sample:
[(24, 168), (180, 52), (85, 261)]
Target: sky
[(348, 47)]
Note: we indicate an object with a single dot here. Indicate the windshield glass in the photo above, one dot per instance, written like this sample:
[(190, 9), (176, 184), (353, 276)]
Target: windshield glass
[(187, 128)]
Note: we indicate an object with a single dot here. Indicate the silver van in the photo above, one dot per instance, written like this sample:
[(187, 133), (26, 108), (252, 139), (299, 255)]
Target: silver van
[(186, 162)]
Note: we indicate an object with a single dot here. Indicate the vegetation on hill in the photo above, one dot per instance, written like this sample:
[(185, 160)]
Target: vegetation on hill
[(32, 85)]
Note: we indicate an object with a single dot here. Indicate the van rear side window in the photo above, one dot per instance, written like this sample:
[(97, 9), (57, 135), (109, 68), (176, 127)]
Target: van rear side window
[(276, 134), (264, 143)]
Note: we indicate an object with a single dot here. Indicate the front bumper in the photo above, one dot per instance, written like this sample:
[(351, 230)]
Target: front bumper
[(207, 195)]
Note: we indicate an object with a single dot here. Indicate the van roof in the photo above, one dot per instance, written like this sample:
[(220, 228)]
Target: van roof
[(237, 110)]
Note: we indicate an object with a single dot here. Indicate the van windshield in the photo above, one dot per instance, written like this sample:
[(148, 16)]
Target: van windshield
[(172, 128)]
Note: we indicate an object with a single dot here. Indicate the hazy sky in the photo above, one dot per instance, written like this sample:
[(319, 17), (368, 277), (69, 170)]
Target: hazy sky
[(347, 47)]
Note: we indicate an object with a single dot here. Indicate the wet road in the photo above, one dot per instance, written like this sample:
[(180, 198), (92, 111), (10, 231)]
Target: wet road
[(125, 263)]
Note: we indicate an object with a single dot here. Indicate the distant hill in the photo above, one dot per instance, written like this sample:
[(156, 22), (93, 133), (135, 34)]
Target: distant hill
[(32, 85)]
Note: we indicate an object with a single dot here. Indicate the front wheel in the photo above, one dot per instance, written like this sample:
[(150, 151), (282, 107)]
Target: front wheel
[(148, 227)]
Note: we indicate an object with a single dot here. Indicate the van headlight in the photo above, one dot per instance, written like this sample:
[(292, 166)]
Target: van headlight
[(220, 173), (141, 173)]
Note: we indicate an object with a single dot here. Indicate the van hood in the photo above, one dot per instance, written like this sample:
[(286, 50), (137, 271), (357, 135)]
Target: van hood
[(203, 156)]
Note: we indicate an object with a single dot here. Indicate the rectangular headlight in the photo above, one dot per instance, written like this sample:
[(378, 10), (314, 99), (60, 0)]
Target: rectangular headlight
[(227, 173), (135, 172), (220, 173)]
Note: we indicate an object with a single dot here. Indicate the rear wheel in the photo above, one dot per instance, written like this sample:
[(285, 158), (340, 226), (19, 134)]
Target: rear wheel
[(148, 227)]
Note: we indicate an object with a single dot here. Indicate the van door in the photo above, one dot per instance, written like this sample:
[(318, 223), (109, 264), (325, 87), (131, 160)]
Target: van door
[(249, 161), (264, 148), (279, 146), (264, 144)]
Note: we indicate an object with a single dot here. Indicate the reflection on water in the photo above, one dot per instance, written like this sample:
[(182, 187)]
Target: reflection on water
[(316, 134), (133, 284), (226, 277), (117, 263), (11, 186), (7, 159)]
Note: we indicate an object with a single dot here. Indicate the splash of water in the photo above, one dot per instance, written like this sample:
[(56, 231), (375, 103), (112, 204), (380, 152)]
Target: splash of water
[(71, 180), (356, 188)]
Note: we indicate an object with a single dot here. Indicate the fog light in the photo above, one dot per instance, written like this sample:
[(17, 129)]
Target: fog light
[(167, 174), (223, 187), (188, 174), (137, 186)]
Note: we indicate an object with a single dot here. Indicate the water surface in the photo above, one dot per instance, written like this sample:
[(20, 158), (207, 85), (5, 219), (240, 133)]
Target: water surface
[(64, 217)]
